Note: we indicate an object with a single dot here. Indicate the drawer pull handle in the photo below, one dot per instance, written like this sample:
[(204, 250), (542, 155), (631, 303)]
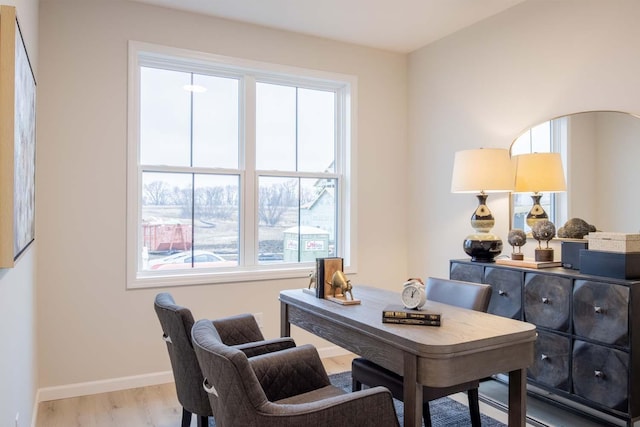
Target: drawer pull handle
[(543, 356), (545, 300), (598, 374), (209, 388), (597, 309), (501, 292)]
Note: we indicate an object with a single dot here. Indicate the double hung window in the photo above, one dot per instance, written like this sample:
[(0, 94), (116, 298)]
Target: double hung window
[(237, 170)]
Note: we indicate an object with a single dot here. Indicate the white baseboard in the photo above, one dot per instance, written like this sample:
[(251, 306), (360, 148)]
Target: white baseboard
[(103, 386), (123, 383)]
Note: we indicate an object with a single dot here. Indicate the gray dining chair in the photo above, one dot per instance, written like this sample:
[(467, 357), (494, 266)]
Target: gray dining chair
[(288, 388), (469, 295), (241, 331)]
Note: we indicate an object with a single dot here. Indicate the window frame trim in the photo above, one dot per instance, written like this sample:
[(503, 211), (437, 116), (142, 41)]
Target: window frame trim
[(263, 72)]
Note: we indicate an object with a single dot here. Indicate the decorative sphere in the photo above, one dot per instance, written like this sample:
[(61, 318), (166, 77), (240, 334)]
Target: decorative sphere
[(517, 238), (575, 228), (543, 230)]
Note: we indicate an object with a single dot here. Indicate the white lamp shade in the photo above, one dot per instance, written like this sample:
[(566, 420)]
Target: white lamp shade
[(487, 170), (539, 172)]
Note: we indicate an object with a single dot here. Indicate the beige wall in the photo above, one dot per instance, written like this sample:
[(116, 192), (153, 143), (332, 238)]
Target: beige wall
[(482, 86), (90, 327), (18, 354)]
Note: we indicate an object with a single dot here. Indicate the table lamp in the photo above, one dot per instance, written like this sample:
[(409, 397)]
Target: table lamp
[(536, 173), (482, 171)]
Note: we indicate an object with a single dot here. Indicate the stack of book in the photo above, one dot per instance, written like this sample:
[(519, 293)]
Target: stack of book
[(396, 313)]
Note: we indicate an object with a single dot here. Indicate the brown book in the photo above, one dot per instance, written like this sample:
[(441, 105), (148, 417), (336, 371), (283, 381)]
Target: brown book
[(397, 311), (325, 267), (423, 322)]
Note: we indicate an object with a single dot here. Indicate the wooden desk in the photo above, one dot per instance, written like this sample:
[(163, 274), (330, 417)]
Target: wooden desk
[(469, 345)]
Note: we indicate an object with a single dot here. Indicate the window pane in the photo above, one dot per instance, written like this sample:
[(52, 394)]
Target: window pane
[(316, 130), (522, 144), (541, 138), (277, 212), (275, 127), (297, 219), (216, 218), (318, 212), (215, 122), (165, 136), (166, 217), (175, 238)]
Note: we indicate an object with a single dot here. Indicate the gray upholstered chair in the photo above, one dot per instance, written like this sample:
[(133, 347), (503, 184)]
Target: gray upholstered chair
[(469, 295), (241, 331), (282, 389)]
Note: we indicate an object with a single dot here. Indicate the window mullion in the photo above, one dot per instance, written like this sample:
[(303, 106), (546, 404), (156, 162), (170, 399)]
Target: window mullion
[(249, 226)]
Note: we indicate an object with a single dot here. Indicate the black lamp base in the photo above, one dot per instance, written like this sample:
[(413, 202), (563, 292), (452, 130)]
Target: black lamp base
[(482, 247)]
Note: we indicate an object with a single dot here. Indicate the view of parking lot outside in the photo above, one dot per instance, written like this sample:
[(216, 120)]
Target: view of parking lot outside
[(192, 190)]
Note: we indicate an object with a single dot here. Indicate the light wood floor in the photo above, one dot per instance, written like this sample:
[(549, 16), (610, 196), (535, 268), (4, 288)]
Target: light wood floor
[(153, 406), (157, 406)]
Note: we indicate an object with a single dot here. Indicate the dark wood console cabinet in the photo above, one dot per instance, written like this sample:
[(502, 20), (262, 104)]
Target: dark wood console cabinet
[(588, 346)]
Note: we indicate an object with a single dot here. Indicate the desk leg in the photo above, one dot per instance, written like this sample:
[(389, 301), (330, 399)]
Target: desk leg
[(412, 392), (285, 326), (517, 398)]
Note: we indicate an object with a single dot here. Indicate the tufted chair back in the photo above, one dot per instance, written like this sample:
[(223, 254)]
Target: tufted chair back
[(231, 382), (288, 388)]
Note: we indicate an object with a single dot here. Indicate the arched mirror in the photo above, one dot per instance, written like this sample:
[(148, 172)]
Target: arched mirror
[(601, 159)]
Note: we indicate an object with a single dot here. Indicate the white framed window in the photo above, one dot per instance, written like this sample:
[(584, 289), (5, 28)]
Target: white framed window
[(237, 170)]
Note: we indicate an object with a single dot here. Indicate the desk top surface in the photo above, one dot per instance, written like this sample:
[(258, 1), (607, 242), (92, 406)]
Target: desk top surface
[(461, 331)]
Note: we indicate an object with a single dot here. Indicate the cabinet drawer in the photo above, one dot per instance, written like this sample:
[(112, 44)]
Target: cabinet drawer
[(601, 312), (551, 360), (547, 301), (506, 298), (601, 374), (466, 272)]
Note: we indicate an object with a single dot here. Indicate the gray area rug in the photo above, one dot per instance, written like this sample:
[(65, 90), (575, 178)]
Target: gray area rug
[(444, 412)]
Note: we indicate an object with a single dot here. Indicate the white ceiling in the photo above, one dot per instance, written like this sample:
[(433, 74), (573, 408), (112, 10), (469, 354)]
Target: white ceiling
[(396, 25)]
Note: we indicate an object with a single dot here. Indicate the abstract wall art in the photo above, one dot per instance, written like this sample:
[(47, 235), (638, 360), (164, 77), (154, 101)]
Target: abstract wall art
[(17, 141)]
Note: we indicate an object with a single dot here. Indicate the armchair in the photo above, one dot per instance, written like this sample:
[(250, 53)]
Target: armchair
[(176, 322), (281, 389), (469, 295)]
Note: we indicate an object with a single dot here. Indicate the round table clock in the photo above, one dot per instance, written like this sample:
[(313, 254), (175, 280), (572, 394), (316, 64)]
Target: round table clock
[(413, 294)]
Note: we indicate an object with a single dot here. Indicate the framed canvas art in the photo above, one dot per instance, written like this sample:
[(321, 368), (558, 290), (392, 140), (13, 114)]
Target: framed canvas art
[(17, 141)]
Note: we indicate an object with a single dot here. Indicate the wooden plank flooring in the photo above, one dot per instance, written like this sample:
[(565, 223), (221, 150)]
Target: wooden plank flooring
[(157, 406), (153, 406)]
